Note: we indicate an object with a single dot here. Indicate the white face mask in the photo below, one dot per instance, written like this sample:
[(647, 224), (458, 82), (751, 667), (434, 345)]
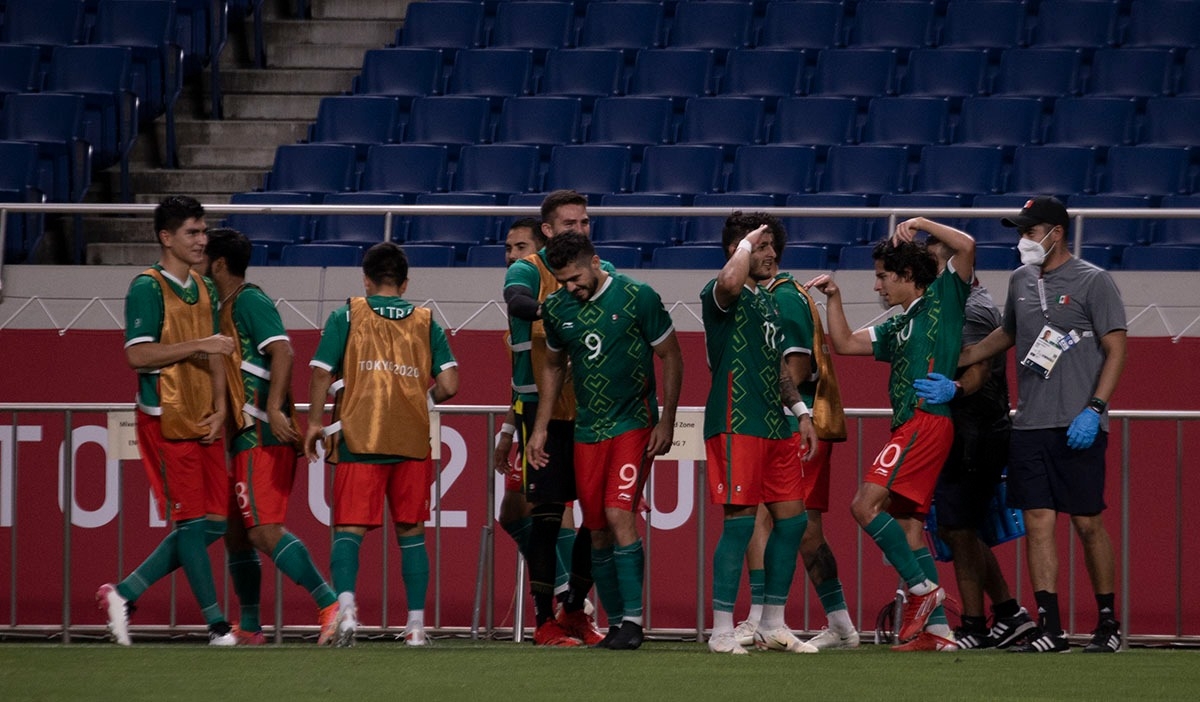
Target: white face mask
[(1032, 253)]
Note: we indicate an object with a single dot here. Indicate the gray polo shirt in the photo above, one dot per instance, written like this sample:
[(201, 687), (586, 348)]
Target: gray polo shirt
[(1081, 297)]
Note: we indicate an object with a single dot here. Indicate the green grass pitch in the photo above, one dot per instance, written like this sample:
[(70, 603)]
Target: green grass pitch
[(456, 669)]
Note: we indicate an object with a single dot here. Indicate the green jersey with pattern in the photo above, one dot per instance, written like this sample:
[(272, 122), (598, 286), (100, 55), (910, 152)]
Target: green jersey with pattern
[(743, 345), (258, 325), (144, 318), (796, 323), (610, 339), (925, 338)]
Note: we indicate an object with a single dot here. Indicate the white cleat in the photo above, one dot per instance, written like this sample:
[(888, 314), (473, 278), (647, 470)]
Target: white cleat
[(744, 632), (724, 642), (415, 637), (109, 601), (226, 639), (781, 639), (830, 639), (347, 625)]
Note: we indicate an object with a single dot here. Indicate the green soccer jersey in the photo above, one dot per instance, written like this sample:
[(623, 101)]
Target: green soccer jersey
[(609, 340), (796, 323), (925, 338), (258, 325), (332, 349), (144, 318), (743, 344)]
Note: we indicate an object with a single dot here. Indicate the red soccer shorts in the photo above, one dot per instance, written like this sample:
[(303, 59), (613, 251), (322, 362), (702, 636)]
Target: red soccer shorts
[(514, 480), (359, 489), (262, 483), (748, 470), (814, 475), (188, 478), (909, 464), (611, 473)]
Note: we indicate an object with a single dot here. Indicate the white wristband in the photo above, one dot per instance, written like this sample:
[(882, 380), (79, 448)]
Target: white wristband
[(508, 429), (746, 246), (800, 409)]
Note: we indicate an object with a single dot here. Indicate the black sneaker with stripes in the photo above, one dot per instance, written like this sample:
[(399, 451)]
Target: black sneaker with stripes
[(1008, 630), (1043, 642), (1106, 638)]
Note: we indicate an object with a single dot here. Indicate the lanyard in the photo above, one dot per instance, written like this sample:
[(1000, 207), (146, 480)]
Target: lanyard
[(1041, 286)]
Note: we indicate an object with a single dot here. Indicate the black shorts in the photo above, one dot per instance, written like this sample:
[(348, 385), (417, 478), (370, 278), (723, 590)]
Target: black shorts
[(1044, 473), (969, 479), (556, 481)]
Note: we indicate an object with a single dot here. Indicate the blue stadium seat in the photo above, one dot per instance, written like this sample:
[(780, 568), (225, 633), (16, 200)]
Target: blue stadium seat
[(315, 169), (996, 258), (452, 120), (1179, 231), (1113, 232), (949, 73), (148, 28), (498, 168), (1147, 170), (706, 229), (442, 25), (360, 121), (1075, 24), (321, 255), (773, 169), (804, 258), (1172, 121), (925, 202), (201, 36), (644, 232), (902, 25), (532, 202), (406, 169), (720, 26), (816, 121), (259, 255), (628, 26), (687, 170), (856, 73), (403, 73), (459, 231), (18, 183), (834, 232), (620, 256), (1092, 121), (537, 26), (1000, 121), (583, 73), (858, 257), (988, 230), (55, 123), (911, 122), (486, 256), (802, 25), (1039, 72), (634, 121), (675, 73), (727, 122), (1189, 78), (272, 230), (589, 168), (704, 258), (492, 73), (960, 170), (762, 73), (1163, 23), (430, 255), (19, 70), (870, 170), (1161, 258), (990, 26), (1053, 170), (540, 121), (363, 231), (1140, 73), (43, 23)]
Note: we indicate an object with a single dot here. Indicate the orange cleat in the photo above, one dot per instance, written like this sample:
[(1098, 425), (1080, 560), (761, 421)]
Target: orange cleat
[(327, 618), (580, 625), (917, 610), (249, 638), (926, 641), (551, 634)]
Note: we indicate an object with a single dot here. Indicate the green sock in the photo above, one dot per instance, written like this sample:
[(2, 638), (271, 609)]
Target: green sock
[(890, 538), (727, 561), (780, 557), (631, 573), (158, 565), (519, 531), (246, 572), (566, 542), (831, 595), (214, 530), (929, 567), (293, 560), (414, 570), (604, 573), (758, 578), (191, 542), (343, 561)]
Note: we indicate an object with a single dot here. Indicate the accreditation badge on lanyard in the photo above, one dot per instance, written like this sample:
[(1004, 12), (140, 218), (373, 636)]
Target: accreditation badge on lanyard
[(1050, 343)]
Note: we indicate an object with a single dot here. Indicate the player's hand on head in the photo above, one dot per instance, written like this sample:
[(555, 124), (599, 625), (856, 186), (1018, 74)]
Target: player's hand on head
[(906, 230), (755, 236), (935, 389)]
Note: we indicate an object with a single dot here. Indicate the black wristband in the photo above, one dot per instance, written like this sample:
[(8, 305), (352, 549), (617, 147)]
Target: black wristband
[(1098, 405)]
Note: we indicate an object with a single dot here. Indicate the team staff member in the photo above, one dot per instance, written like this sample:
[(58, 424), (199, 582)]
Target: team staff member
[(264, 440), (172, 341), (385, 353)]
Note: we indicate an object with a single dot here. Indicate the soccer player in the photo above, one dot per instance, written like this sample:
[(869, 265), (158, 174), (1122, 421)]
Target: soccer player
[(265, 440), (172, 340), (609, 327), (384, 353), (895, 496), (747, 440), (1060, 431), (543, 524)]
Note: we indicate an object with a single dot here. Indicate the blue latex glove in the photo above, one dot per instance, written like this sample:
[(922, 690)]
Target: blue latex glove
[(937, 389), (1082, 431)]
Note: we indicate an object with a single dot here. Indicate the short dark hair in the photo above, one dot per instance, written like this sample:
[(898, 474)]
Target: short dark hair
[(559, 198), (534, 227), (173, 211), (739, 224), (231, 245), (907, 259), (569, 247), (385, 263)]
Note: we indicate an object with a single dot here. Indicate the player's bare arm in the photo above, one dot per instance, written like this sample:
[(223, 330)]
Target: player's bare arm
[(998, 341), (445, 385), (791, 397), (318, 389), (152, 354), (843, 340), (973, 378), (215, 422), (280, 353), (554, 374), (732, 277), (956, 240), (1114, 347), (671, 356), (504, 442)]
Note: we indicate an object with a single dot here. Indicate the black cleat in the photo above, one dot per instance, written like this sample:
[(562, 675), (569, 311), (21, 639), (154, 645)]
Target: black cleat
[(1106, 638), (606, 642), (1043, 642), (628, 638), (1008, 630)]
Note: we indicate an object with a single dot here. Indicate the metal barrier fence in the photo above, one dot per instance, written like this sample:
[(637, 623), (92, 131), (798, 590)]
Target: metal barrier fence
[(483, 616)]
